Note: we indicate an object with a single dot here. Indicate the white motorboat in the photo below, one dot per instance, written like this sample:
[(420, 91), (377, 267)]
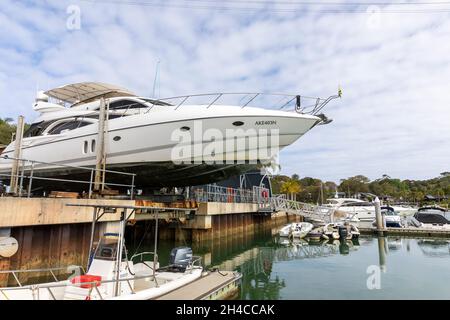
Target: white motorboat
[(404, 211), (364, 210), (391, 218), (139, 279), (433, 215), (167, 142), (353, 208), (296, 230)]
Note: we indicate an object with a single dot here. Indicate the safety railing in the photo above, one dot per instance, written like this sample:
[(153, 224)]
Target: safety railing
[(322, 213), (27, 171), (277, 101), (51, 271), (195, 263), (144, 254), (262, 197), (94, 285), (214, 193), (280, 101)]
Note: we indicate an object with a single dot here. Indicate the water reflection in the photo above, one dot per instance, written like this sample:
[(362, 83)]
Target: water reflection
[(257, 263), (276, 268), (435, 248), (382, 253)]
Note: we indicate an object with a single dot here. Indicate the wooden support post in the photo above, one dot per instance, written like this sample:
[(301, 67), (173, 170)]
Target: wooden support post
[(378, 217), (100, 145), (17, 154)]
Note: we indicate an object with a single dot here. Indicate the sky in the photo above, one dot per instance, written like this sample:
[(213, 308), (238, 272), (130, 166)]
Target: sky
[(393, 67)]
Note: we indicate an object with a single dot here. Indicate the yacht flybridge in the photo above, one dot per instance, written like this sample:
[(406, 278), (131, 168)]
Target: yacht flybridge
[(167, 142)]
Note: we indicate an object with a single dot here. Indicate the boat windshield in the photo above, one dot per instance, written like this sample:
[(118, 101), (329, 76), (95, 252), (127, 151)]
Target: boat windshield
[(357, 204), (35, 129), (107, 249)]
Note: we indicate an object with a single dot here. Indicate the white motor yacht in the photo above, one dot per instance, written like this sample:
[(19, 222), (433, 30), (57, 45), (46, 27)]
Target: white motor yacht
[(166, 142), (353, 208), (365, 210)]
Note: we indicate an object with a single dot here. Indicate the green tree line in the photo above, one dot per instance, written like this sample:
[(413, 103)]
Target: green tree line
[(313, 190), (8, 130)]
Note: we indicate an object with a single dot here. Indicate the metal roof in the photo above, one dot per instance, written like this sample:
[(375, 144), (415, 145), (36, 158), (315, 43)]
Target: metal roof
[(83, 91)]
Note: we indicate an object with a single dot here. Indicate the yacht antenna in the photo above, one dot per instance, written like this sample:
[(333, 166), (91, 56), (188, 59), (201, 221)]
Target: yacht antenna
[(156, 78)]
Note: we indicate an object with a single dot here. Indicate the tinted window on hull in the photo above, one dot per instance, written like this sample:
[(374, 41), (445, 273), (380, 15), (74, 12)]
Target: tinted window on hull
[(67, 126), (125, 104)]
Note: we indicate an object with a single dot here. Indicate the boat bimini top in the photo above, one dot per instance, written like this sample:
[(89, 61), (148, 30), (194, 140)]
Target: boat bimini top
[(87, 91)]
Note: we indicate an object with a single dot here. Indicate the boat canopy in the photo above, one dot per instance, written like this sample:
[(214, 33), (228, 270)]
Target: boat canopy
[(86, 91)]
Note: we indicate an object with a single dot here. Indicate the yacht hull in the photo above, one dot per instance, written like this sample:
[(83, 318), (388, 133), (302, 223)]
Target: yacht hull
[(160, 153)]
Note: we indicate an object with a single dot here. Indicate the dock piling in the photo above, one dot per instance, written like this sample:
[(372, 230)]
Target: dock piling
[(378, 216), (15, 170)]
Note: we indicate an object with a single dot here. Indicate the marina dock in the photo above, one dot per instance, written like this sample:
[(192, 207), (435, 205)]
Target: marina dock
[(407, 232)]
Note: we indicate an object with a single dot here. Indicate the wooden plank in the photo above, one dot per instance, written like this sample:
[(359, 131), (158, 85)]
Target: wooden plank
[(63, 194)]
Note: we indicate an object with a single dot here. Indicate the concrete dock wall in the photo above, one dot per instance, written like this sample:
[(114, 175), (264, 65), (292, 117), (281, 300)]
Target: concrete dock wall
[(17, 212)]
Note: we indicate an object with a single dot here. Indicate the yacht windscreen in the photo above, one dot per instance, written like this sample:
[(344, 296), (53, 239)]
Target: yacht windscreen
[(67, 126), (35, 129), (126, 104)]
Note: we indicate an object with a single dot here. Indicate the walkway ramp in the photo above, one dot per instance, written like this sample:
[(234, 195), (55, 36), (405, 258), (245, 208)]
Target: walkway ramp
[(306, 210)]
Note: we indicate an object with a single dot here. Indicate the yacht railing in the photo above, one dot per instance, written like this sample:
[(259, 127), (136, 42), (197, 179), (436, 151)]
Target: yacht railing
[(277, 101), (27, 171), (280, 101)]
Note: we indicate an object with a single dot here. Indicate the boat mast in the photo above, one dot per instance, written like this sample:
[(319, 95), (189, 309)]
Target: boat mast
[(321, 193)]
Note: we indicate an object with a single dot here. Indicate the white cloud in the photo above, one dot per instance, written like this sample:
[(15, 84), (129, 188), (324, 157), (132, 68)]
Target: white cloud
[(393, 118)]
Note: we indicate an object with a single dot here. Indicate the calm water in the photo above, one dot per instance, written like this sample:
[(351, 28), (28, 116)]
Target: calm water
[(276, 269)]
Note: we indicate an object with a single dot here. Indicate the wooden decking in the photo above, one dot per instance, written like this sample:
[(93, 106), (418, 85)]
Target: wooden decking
[(214, 285)]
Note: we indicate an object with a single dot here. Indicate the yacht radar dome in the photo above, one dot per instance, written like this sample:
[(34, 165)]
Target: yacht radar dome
[(41, 97)]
